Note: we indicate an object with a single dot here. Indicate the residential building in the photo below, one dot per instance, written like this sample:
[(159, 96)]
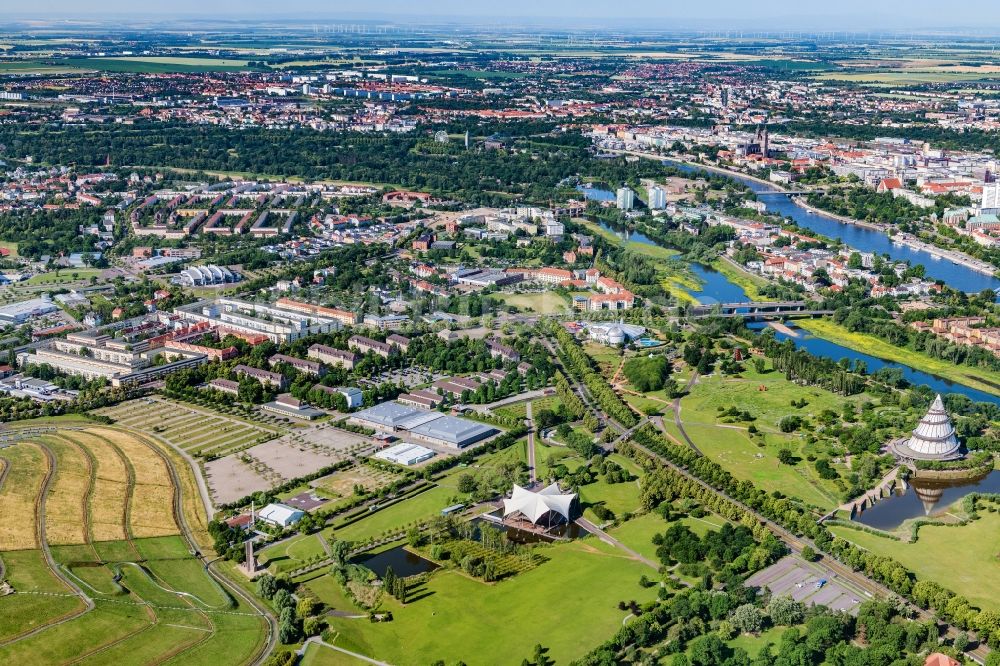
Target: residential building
[(333, 356)]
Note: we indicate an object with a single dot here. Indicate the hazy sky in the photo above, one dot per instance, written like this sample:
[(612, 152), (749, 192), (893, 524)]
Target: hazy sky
[(804, 14)]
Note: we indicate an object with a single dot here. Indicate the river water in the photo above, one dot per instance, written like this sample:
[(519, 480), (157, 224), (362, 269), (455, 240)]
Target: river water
[(923, 498), (861, 238), (831, 350), (717, 288)]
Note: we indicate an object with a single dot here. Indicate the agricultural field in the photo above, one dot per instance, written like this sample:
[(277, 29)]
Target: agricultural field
[(91, 539), (155, 65)]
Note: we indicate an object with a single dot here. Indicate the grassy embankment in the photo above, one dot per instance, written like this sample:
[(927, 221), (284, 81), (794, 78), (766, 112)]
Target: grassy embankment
[(979, 378)]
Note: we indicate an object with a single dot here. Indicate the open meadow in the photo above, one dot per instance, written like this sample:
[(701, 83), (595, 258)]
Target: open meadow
[(91, 540), (965, 556)]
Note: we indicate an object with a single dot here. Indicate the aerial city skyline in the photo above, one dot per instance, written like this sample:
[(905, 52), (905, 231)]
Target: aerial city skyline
[(536, 334)]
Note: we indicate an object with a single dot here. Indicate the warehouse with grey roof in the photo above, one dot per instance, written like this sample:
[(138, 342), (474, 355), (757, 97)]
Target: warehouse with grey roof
[(423, 424)]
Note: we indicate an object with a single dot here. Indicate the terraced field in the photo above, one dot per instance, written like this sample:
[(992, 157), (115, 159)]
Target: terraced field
[(196, 430), (92, 544)]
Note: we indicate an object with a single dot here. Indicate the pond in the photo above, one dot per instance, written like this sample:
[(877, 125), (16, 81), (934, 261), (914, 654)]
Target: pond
[(924, 497), (595, 193), (403, 562)]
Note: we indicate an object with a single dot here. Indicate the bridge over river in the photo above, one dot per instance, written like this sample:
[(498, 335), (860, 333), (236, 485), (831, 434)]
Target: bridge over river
[(758, 310)]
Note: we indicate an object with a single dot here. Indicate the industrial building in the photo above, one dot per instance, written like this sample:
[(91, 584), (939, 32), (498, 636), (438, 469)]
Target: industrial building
[(405, 454), (18, 313), (424, 425)]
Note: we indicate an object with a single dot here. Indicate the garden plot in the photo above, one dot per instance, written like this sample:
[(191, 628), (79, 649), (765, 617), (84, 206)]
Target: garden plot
[(342, 483)]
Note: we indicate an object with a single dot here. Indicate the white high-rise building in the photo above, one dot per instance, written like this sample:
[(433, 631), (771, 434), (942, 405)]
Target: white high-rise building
[(991, 198), (657, 198), (625, 198)]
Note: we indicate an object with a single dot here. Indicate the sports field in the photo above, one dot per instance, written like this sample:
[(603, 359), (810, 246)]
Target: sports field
[(91, 539)]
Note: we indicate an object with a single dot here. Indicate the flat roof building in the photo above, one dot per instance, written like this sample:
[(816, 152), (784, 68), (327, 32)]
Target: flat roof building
[(280, 515), (405, 454), (429, 426)]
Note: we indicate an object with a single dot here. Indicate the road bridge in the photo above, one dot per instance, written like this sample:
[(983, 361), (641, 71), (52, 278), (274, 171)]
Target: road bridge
[(751, 309)]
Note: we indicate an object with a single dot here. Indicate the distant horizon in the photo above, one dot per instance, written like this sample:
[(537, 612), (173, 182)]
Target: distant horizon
[(854, 16)]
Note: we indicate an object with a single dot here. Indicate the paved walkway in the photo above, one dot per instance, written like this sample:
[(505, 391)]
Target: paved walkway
[(870, 496), (531, 444), (320, 641), (607, 538)]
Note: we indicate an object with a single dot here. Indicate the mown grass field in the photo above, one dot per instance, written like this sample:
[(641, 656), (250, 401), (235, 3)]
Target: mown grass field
[(106, 482), (464, 618), (545, 302), (730, 444), (962, 558)]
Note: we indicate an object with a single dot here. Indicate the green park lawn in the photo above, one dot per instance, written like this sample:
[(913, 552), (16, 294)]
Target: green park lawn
[(638, 533), (455, 617), (754, 644), (620, 498), (320, 655), (149, 624), (64, 276), (291, 554), (730, 445), (519, 410), (962, 558), (420, 507), (546, 302), (26, 572)]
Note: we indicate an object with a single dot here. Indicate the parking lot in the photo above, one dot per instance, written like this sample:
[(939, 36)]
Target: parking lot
[(800, 580), (409, 376)]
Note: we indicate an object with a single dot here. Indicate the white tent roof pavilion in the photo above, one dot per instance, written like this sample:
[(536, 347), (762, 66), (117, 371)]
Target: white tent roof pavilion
[(534, 505)]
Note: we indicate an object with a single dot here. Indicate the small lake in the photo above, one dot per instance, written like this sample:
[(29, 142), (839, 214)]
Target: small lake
[(924, 498), (403, 562)]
